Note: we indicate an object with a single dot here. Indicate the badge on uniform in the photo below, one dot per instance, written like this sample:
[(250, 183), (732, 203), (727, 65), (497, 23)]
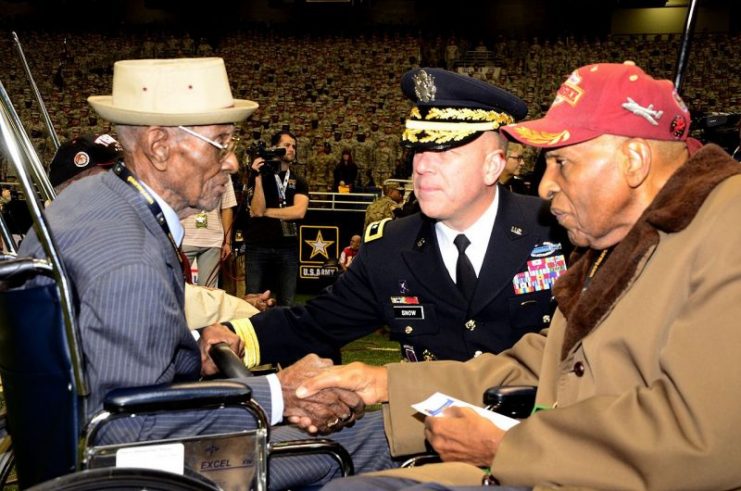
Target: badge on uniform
[(405, 300), (403, 287), (202, 220), (541, 274), (406, 312), (545, 249), (429, 355), (409, 353)]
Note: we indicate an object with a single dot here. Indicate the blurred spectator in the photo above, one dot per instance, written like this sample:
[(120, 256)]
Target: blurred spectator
[(510, 177), (383, 207), (205, 240), (345, 172), (349, 252), (346, 91), (84, 156)]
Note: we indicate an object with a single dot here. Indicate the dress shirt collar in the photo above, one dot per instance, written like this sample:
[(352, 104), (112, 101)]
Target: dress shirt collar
[(478, 233), (176, 228)]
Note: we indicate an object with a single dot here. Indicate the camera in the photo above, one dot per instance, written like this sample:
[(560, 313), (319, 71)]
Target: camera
[(271, 155), (719, 128)]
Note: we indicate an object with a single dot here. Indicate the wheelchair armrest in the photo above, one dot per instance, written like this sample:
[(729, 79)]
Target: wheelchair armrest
[(515, 401), (228, 362), (172, 397), (12, 267)]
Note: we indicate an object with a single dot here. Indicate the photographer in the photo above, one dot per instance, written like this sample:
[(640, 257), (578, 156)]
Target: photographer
[(279, 198)]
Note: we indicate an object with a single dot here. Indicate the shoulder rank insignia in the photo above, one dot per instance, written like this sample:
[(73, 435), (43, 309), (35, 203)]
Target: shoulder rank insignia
[(375, 230)]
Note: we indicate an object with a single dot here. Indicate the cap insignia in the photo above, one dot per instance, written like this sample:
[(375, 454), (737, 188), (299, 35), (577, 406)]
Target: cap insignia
[(81, 159), (424, 86), (678, 126), (648, 113), (465, 114), (444, 125), (542, 137), (569, 92), (439, 137)]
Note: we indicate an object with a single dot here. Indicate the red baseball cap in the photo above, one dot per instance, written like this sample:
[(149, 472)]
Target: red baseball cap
[(607, 98)]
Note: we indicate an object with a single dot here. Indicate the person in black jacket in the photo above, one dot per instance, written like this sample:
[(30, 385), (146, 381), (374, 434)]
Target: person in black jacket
[(405, 273), (279, 200)]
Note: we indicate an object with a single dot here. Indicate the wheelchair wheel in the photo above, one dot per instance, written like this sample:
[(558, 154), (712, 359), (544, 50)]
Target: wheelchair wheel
[(124, 479)]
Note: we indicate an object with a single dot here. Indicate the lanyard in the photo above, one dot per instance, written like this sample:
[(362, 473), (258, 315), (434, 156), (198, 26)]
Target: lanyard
[(282, 187), (129, 178)]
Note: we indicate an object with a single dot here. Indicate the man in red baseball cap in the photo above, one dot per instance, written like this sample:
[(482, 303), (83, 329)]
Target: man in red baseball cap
[(636, 373)]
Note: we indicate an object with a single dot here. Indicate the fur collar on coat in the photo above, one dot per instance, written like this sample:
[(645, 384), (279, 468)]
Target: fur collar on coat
[(692, 183)]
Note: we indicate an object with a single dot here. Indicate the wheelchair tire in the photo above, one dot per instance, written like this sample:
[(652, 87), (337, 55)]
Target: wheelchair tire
[(126, 479)]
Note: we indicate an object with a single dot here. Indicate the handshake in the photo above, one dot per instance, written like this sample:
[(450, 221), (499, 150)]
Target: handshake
[(321, 398)]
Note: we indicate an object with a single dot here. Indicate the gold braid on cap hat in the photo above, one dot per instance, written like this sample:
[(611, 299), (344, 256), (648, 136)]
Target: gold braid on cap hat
[(450, 124)]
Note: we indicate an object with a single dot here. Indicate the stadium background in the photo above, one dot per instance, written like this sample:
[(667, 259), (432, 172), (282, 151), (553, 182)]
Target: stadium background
[(329, 70)]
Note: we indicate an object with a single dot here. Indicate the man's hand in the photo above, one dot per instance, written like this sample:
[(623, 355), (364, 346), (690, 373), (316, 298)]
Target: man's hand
[(368, 382), (261, 301), (226, 250), (461, 435), (257, 163), (323, 411), (213, 334)]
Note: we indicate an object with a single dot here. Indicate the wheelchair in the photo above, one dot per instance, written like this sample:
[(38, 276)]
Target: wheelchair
[(45, 434)]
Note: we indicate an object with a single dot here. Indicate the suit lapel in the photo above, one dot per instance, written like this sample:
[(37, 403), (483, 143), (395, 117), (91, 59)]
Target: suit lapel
[(506, 254), (427, 267), (150, 223)]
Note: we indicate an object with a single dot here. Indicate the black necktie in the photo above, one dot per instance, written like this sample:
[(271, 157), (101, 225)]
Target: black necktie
[(464, 272)]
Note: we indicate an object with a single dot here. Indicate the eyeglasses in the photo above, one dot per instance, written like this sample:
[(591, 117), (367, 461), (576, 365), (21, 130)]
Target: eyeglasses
[(516, 157), (224, 150)]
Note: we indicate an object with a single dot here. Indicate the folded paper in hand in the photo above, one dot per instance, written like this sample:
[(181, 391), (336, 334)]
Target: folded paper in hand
[(437, 403)]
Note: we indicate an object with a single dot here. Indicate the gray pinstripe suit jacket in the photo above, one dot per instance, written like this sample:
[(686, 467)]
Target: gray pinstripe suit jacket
[(130, 292)]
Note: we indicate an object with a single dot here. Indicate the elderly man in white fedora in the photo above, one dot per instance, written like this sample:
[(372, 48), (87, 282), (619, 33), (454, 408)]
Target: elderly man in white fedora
[(118, 233)]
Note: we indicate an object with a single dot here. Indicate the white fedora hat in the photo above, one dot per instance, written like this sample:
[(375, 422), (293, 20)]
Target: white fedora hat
[(171, 92)]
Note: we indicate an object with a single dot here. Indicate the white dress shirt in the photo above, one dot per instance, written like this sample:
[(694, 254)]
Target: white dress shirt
[(479, 234)]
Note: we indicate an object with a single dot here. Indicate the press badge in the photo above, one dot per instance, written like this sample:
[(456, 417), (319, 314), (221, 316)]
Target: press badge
[(403, 312), (202, 220)]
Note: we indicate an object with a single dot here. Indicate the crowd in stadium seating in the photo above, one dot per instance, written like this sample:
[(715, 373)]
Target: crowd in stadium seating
[(339, 92)]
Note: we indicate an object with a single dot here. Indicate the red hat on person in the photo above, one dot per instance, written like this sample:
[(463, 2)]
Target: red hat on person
[(607, 98)]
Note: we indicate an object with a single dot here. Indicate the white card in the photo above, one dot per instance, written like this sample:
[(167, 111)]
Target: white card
[(436, 404), (169, 457)]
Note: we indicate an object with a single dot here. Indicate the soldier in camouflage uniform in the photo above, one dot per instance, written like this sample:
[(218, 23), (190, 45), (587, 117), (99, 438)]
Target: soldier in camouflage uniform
[(384, 207), (320, 169), (387, 153)]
